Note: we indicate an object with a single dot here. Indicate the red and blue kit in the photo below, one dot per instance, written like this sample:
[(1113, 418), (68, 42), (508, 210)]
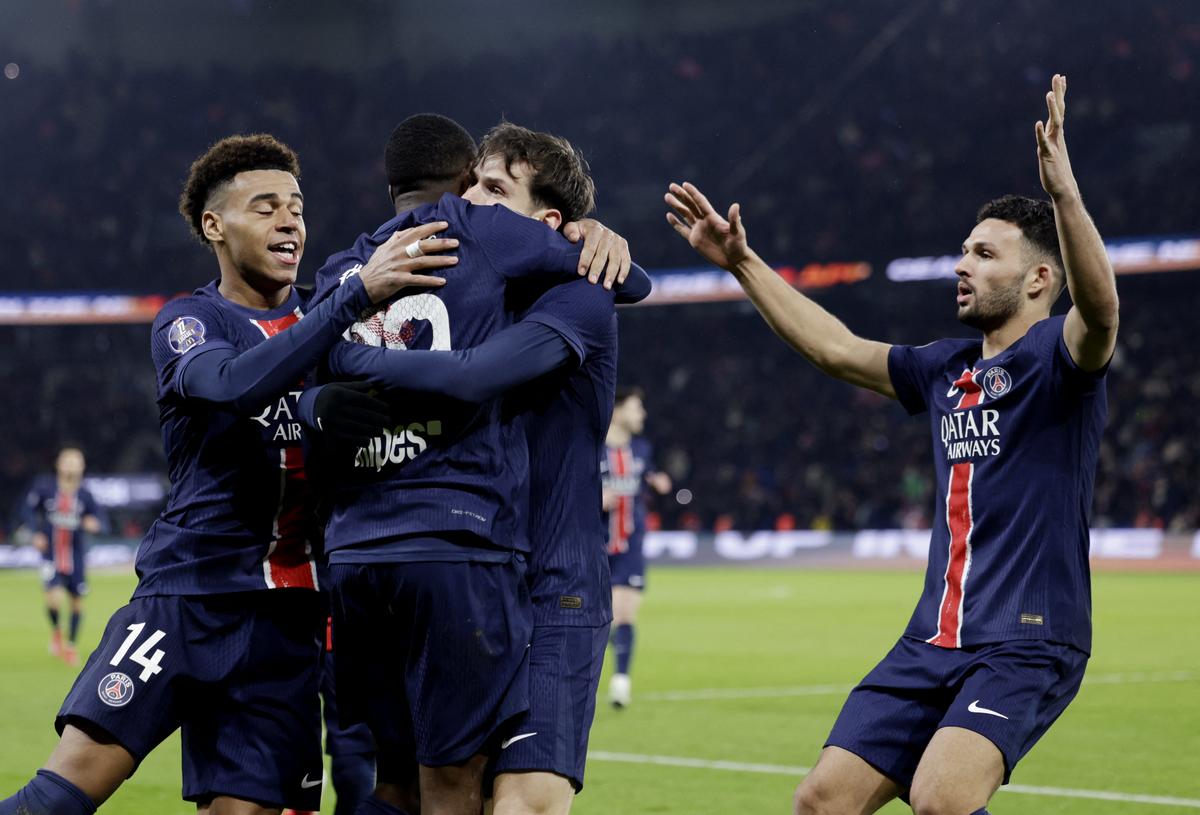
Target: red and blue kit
[(624, 471), (59, 515)]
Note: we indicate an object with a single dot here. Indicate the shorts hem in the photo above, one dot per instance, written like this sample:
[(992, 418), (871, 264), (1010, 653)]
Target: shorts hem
[(902, 780), (576, 783)]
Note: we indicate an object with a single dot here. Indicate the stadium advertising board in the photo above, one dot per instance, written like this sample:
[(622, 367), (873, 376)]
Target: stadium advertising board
[(1128, 256)]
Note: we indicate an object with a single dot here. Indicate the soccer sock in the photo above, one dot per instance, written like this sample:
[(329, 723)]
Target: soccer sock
[(52, 613), (48, 794), (74, 631), (623, 647), (371, 806)]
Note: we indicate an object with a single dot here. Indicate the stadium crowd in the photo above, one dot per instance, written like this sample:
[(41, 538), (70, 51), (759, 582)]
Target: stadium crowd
[(868, 163)]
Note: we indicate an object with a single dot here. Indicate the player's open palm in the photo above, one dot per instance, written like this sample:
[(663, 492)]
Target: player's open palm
[(1053, 164), (399, 261), (721, 241)]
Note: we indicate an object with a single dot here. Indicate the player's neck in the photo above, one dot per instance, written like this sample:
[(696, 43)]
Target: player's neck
[(617, 437), (69, 487), (1001, 337), (407, 201), (236, 289)]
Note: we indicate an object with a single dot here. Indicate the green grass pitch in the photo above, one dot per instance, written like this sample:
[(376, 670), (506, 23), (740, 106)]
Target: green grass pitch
[(769, 653)]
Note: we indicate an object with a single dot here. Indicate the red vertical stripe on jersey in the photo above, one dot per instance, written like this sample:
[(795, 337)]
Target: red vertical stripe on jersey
[(289, 562), (620, 519), (972, 394), (64, 556), (958, 566)]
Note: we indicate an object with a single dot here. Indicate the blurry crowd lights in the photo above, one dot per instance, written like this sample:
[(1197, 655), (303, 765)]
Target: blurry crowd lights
[(12, 70), (684, 496)]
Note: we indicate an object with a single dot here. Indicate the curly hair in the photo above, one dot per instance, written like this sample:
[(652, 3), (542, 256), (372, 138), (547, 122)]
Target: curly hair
[(561, 176), (1036, 221), (224, 160)]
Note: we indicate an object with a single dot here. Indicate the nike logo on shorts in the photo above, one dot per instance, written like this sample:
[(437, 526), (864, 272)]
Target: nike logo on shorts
[(305, 784), (975, 708), (504, 745)]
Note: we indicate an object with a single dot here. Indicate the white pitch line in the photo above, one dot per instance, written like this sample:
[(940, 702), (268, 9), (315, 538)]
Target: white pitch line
[(707, 694), (780, 769)]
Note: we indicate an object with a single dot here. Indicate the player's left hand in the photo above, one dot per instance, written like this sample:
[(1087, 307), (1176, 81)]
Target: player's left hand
[(660, 482), (91, 524), (348, 413), (1054, 166), (604, 251)]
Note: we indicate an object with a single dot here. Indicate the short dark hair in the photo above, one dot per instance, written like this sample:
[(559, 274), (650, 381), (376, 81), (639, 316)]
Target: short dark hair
[(1036, 221), (425, 149), (224, 160), (628, 392), (561, 176)]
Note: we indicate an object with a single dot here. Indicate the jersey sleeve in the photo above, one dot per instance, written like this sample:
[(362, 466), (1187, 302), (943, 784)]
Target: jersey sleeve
[(581, 313), (517, 354), (92, 507), (183, 330), (338, 268), (517, 246), (911, 368), (32, 515), (1066, 372)]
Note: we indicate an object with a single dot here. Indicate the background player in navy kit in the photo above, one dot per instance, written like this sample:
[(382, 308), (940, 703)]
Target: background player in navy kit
[(60, 512), (997, 645), (462, 523), (627, 471), (224, 622), (565, 346)]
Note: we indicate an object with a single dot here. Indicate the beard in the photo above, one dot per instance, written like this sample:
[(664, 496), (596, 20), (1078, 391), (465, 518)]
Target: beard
[(991, 310)]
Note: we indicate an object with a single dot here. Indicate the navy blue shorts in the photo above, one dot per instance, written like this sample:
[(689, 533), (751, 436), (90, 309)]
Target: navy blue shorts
[(354, 739), (1009, 693), (238, 674), (564, 671), (432, 655), (628, 569), (75, 583)]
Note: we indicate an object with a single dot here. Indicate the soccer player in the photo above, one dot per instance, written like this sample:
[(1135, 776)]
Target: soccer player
[(60, 512), (221, 637), (627, 472), (453, 556), (564, 347), (997, 645)]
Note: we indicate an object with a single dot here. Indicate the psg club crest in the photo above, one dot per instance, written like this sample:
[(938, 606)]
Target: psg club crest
[(116, 689), (996, 382), (185, 334)]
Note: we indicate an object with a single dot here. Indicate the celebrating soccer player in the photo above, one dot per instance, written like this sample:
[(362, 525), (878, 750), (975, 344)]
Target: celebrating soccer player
[(564, 345), (221, 637), (627, 471), (60, 513), (997, 645)]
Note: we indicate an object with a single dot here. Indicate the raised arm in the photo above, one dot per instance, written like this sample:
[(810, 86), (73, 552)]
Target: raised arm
[(822, 338), (1090, 330)]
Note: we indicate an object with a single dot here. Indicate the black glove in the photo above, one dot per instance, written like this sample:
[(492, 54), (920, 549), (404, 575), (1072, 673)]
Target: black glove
[(347, 413)]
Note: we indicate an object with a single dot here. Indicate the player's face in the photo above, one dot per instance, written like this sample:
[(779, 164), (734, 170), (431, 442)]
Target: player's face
[(69, 466), (260, 223), (511, 186), (631, 414), (991, 274)]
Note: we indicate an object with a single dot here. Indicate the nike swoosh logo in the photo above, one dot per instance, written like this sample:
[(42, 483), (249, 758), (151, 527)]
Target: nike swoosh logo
[(975, 708), (504, 745), (305, 784)]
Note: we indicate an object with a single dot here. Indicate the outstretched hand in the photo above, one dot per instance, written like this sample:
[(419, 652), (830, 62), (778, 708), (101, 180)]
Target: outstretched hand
[(1054, 166), (720, 241)]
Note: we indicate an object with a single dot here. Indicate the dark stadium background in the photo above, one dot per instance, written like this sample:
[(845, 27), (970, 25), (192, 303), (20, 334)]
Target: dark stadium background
[(851, 133)]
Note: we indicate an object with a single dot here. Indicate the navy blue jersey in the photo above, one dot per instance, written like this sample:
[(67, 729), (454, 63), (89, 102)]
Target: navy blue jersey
[(567, 416), (624, 471), (239, 515), (444, 469), (59, 515), (1015, 442)]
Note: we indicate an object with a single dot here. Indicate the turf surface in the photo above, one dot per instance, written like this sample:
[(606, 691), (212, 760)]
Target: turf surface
[(777, 648)]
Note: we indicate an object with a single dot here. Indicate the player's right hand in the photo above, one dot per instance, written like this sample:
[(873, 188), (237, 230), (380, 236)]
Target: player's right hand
[(392, 268), (40, 541), (720, 241)]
